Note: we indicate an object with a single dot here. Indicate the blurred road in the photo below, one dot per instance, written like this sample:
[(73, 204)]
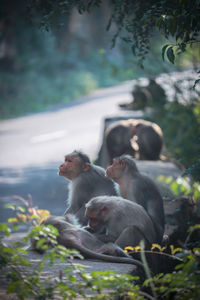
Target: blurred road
[(44, 138), (32, 147)]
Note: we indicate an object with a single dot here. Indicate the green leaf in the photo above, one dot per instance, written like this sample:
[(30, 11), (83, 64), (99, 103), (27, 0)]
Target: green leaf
[(41, 243), (15, 226), (13, 286), (170, 54), (11, 206), (21, 208), (175, 187), (195, 227), (163, 51), (5, 229)]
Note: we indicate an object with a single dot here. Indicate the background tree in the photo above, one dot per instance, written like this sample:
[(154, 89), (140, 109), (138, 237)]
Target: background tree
[(136, 21)]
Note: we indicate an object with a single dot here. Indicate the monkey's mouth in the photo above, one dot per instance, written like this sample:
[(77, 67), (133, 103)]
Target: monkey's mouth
[(93, 223)]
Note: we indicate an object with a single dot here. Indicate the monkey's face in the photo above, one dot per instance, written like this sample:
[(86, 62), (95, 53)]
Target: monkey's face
[(115, 170), (71, 167), (96, 219)]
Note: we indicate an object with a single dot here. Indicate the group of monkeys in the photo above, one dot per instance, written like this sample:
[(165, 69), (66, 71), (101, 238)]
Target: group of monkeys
[(108, 210)]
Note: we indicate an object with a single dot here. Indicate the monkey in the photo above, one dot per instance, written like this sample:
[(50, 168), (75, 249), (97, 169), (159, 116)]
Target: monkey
[(72, 235), (86, 181), (140, 189), (137, 137), (117, 139), (147, 141), (152, 95), (120, 221)]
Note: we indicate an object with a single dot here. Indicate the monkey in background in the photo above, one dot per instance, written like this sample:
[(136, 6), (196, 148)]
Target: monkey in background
[(137, 137), (86, 181), (139, 189)]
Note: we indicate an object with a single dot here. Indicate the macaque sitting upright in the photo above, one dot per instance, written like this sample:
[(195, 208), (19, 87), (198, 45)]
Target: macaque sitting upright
[(86, 181), (140, 189)]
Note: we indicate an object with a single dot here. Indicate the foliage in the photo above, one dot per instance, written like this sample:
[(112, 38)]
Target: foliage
[(182, 186), (27, 213), (183, 283), (33, 91), (178, 19), (71, 281), (181, 140), (24, 279), (41, 73), (136, 21), (52, 77)]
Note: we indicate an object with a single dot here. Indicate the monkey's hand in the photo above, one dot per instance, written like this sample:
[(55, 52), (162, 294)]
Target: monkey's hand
[(112, 249)]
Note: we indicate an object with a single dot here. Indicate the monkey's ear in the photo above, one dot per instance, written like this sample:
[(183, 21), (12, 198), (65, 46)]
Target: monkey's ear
[(86, 167)]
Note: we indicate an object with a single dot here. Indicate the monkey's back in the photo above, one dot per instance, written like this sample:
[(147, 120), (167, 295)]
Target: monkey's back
[(117, 138), (150, 141)]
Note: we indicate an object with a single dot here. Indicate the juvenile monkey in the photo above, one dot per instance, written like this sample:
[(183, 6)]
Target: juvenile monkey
[(71, 235), (120, 221), (139, 189), (87, 181)]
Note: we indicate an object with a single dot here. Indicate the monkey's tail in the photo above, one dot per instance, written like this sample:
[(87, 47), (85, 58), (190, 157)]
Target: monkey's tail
[(87, 253)]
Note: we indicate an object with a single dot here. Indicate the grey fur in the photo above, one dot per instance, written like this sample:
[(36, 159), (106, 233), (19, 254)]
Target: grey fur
[(86, 186), (122, 215)]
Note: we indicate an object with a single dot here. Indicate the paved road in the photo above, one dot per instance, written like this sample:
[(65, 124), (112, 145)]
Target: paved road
[(44, 138)]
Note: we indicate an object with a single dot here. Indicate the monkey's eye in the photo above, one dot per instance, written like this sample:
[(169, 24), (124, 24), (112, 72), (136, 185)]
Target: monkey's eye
[(68, 160)]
